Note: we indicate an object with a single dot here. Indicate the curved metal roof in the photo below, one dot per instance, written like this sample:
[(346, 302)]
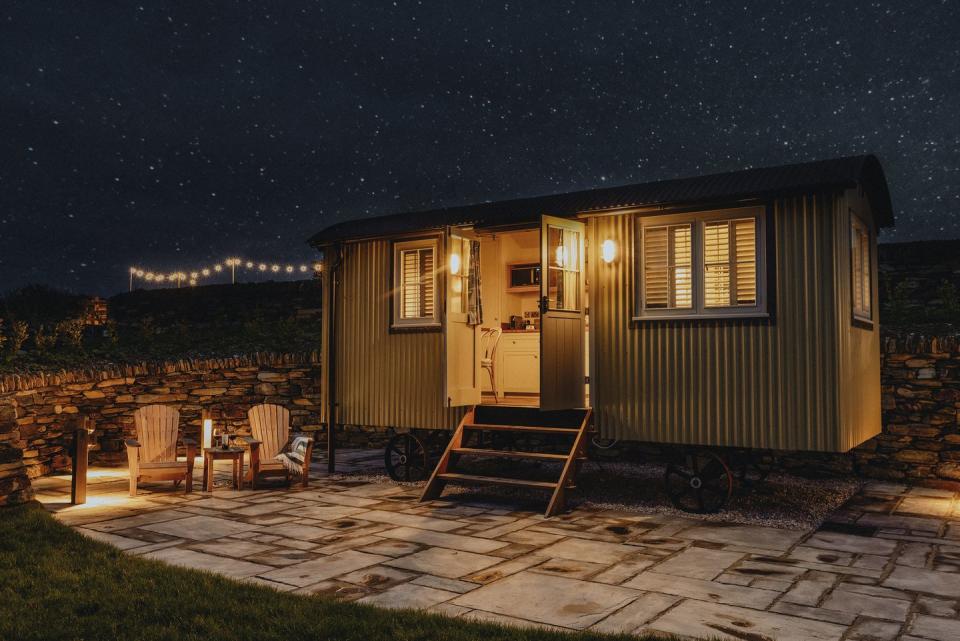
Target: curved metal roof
[(760, 182)]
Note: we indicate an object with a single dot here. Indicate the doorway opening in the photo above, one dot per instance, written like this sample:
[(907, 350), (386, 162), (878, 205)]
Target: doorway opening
[(510, 289)]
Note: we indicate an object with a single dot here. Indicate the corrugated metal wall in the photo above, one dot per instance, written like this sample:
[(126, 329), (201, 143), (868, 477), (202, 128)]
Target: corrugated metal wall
[(726, 383), (859, 345), (383, 379)]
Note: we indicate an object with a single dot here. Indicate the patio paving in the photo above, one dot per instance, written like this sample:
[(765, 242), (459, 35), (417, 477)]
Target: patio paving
[(884, 567)]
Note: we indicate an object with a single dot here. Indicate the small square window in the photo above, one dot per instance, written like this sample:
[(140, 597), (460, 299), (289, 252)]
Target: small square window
[(415, 301)]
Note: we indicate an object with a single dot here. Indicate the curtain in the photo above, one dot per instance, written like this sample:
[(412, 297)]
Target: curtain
[(474, 304)]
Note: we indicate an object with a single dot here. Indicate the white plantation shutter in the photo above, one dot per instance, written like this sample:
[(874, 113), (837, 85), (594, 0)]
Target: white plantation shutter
[(745, 255), (730, 263), (860, 269), (667, 267), (716, 264)]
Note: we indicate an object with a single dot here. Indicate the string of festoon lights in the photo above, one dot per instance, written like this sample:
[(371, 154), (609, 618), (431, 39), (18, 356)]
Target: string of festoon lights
[(179, 278)]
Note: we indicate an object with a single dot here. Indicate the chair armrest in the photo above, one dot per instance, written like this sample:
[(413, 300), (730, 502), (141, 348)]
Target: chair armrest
[(302, 435), (132, 443), (249, 440)]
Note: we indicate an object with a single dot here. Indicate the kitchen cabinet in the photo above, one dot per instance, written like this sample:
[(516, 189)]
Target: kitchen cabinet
[(519, 362)]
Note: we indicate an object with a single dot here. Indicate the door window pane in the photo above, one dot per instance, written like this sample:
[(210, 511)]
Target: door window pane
[(563, 268)]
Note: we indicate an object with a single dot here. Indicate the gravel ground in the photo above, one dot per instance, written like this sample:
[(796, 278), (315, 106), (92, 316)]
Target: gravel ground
[(782, 500)]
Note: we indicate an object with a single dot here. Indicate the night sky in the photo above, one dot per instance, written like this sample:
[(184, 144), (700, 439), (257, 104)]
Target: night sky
[(173, 134)]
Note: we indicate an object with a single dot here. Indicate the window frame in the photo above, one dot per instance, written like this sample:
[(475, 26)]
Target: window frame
[(697, 221), (856, 225), (396, 291)]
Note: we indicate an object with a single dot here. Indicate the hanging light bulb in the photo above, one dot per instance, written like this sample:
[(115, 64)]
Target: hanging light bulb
[(317, 267), (194, 275), (149, 276), (193, 282), (160, 278), (139, 273), (205, 271), (303, 268), (133, 270), (262, 267), (275, 268), (249, 264), (289, 269), (218, 268)]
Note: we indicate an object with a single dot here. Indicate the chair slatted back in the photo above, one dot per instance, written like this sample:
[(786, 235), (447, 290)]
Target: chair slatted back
[(270, 425), (157, 429)]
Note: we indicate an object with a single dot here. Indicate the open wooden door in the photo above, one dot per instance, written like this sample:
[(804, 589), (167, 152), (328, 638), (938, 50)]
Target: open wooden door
[(562, 314), (462, 360)]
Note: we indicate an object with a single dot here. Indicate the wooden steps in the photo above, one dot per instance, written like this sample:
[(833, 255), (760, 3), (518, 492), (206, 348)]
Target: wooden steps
[(520, 428), (538, 456), (566, 425), (495, 480)]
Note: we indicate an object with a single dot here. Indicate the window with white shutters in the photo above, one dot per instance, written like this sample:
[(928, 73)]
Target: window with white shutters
[(860, 270), (707, 264), (415, 283)]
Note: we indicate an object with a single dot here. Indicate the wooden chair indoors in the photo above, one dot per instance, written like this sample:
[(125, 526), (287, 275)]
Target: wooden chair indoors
[(152, 455), (273, 453), (490, 338)]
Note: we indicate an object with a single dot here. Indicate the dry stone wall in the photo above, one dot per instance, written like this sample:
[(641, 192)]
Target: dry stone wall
[(39, 412), (14, 480), (921, 411)]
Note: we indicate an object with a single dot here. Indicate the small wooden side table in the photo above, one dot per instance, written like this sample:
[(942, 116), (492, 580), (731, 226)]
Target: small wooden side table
[(212, 454)]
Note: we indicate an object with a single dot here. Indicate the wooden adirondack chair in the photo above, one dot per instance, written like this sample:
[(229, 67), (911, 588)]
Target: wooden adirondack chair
[(153, 454), (272, 450)]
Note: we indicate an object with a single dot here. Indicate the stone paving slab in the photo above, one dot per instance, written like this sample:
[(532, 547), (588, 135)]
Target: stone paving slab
[(886, 566), (716, 621), (549, 599)]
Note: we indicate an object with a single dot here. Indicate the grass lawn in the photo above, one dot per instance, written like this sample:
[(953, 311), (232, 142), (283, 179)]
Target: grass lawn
[(58, 584)]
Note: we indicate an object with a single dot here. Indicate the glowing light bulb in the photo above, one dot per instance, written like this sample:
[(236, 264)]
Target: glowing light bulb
[(608, 251), (289, 269), (133, 270), (193, 282), (205, 271), (303, 268), (262, 267), (160, 278), (194, 275), (249, 264), (149, 276), (217, 268), (454, 264), (317, 267), (139, 273)]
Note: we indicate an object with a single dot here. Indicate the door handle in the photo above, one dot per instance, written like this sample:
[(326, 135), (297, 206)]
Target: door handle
[(544, 304)]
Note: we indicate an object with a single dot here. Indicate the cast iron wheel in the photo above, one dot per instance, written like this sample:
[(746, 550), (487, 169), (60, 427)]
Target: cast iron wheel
[(406, 458), (702, 484)]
